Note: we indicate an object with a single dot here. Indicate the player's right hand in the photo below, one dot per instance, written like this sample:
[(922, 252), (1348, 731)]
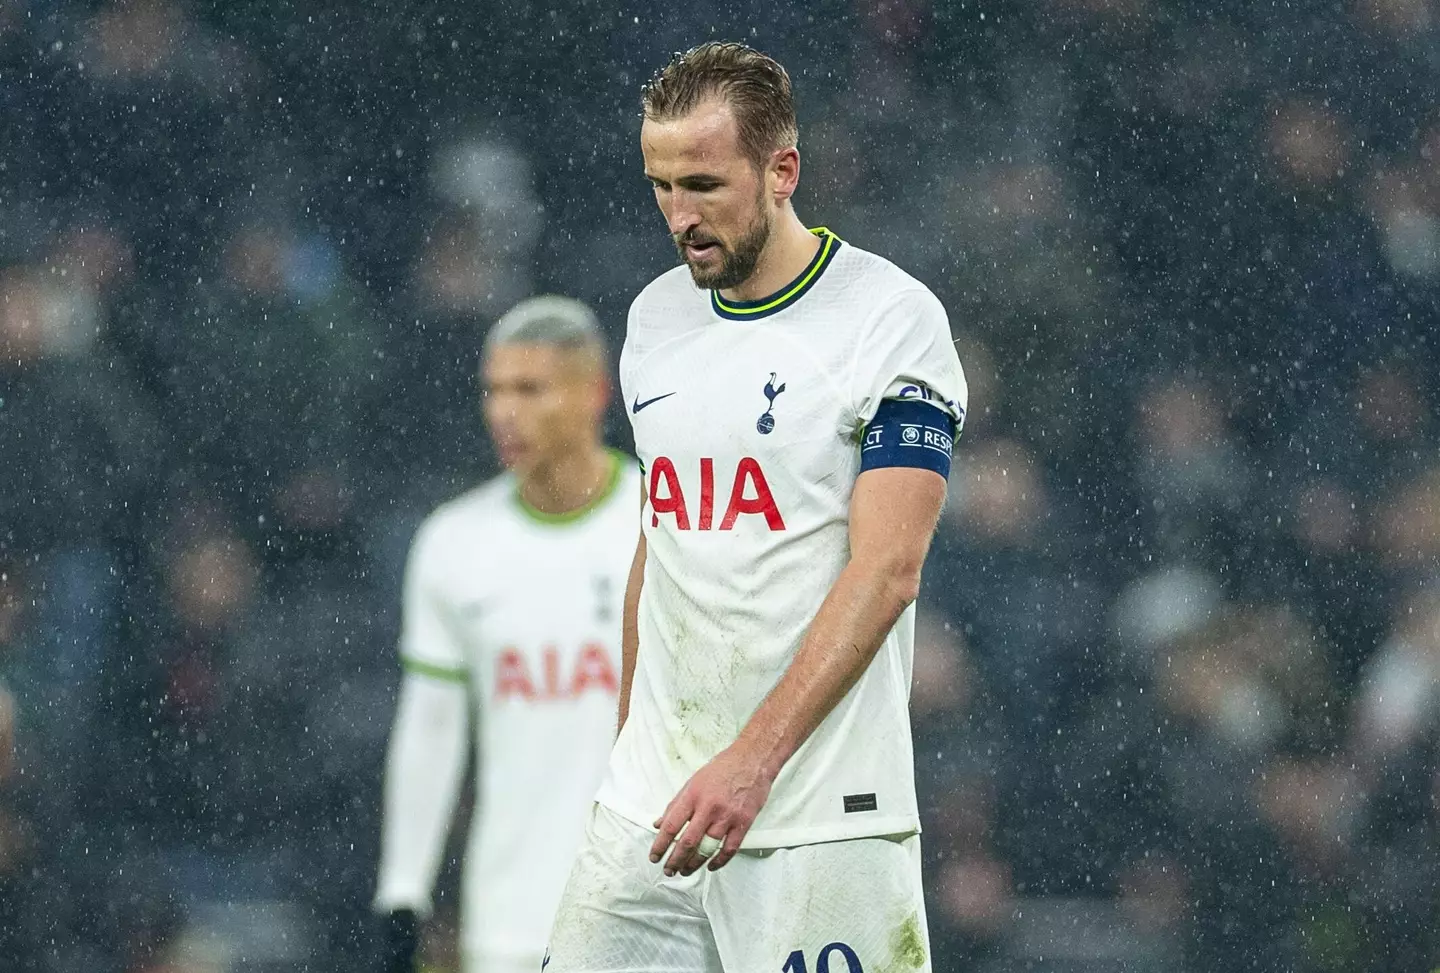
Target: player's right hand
[(721, 800), (401, 942)]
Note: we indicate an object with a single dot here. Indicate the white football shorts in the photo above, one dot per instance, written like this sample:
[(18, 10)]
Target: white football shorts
[(852, 906)]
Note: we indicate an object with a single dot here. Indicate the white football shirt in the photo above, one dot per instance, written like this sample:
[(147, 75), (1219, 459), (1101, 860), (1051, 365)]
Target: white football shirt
[(526, 609), (748, 421)]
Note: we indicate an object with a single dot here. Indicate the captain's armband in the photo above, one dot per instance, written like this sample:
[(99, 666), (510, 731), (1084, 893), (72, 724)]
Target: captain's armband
[(908, 433)]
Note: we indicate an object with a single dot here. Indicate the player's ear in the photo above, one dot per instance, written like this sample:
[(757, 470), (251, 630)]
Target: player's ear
[(784, 173)]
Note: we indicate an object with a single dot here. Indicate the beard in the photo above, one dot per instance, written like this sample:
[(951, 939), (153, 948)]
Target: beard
[(737, 263)]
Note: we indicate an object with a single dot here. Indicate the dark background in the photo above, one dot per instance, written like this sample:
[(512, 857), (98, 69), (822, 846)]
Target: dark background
[(1177, 693)]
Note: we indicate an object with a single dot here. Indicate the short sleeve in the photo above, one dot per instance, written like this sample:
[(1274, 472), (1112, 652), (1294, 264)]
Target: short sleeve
[(630, 355), (908, 354), (429, 644)]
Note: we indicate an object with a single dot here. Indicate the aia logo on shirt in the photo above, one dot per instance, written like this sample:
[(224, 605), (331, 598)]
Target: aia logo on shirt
[(749, 496), (557, 678)]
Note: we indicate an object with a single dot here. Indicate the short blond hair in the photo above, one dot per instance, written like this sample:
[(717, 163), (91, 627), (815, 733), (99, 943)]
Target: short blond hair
[(550, 319)]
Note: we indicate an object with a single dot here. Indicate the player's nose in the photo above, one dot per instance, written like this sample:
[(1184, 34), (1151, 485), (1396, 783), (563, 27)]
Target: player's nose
[(682, 219)]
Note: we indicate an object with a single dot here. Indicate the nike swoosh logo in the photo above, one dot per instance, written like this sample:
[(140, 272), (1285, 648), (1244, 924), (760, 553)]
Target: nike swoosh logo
[(640, 405)]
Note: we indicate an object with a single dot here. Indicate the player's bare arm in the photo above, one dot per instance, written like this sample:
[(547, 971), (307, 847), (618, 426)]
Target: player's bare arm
[(630, 627), (893, 514)]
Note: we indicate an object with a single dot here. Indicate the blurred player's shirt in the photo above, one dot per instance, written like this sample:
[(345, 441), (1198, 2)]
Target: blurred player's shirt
[(749, 421), (525, 608)]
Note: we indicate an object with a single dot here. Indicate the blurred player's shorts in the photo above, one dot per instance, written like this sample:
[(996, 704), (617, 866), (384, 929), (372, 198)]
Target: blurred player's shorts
[(808, 909)]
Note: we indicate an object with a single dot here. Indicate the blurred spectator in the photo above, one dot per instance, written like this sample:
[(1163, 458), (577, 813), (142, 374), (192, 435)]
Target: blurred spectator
[(246, 681), (81, 443), (1191, 477), (431, 438), (277, 379), (1160, 607), (1032, 282), (962, 755), (83, 460), (1403, 200), (1005, 566), (155, 117), (1327, 561), (1234, 699), (1397, 706), (1407, 531)]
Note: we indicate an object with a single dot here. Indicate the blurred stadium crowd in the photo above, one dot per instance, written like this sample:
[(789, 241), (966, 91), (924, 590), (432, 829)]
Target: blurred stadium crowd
[(1177, 696)]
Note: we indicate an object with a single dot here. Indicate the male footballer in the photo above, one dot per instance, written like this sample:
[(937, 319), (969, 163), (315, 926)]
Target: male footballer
[(794, 402)]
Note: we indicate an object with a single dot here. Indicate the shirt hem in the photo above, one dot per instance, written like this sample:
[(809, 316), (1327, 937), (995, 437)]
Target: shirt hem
[(792, 837)]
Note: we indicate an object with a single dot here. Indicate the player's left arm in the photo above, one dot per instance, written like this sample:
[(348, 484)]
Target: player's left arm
[(893, 513)]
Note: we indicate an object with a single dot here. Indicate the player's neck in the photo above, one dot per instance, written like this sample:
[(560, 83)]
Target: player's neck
[(789, 252), (570, 482)]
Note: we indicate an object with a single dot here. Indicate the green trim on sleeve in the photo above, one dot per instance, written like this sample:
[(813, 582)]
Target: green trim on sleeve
[(418, 668)]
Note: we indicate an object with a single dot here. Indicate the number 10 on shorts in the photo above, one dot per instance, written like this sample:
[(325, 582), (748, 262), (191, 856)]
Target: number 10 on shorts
[(795, 962)]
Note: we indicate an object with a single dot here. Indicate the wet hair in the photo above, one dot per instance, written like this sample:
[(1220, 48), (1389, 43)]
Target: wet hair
[(755, 86), (562, 322)]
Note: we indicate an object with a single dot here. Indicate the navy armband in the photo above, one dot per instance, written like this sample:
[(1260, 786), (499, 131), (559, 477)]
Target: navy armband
[(908, 433)]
